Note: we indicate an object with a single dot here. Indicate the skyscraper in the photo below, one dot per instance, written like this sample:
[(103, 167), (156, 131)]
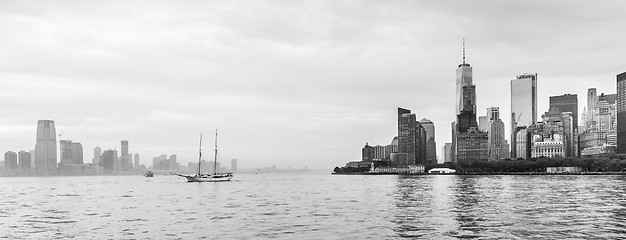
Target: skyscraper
[(136, 158), (566, 103), (10, 160), (77, 153), (431, 144), (621, 113), (523, 107), (108, 160), (463, 78), (46, 148), (97, 153), (66, 149), (498, 146), (125, 161), (411, 139), (592, 101), (25, 160)]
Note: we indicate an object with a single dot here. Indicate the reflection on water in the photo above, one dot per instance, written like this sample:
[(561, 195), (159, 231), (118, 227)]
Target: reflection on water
[(315, 206), (520, 207)]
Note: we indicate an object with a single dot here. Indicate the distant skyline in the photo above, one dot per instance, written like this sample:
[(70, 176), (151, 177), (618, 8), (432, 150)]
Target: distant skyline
[(291, 83)]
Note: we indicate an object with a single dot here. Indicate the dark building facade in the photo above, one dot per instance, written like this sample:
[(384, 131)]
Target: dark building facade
[(472, 146), (566, 103), (621, 112), (411, 139)]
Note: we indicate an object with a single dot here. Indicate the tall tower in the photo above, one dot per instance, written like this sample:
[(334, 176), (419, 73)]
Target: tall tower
[(125, 161), (621, 113), (136, 158), (431, 145), (463, 78), (592, 102), (77, 152), (523, 108), (46, 148)]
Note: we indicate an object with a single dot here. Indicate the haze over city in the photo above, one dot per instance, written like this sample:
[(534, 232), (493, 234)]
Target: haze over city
[(287, 83)]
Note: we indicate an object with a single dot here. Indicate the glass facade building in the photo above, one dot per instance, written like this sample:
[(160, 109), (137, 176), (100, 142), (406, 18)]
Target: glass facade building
[(523, 107), (46, 148)]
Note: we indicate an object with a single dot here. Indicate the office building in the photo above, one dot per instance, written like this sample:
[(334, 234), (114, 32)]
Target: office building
[(463, 78), (483, 123), (447, 153), (592, 102), (97, 153), (136, 160), (46, 148), (124, 158), (621, 113), (66, 149), (523, 109), (411, 140), (108, 161), (472, 146), (493, 113), (498, 147), (24, 160), (77, 153), (566, 103), (10, 160), (431, 144)]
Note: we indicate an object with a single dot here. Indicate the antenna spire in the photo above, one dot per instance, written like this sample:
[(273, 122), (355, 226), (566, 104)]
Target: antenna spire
[(463, 51)]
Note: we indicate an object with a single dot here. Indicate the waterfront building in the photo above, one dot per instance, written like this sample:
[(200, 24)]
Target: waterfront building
[(10, 160), (233, 165), (125, 162), (472, 146), (411, 139), (523, 108), (566, 103), (46, 148), (136, 160), (621, 113), (24, 161), (66, 151), (108, 161), (522, 151), (367, 153), (431, 144), (97, 153), (498, 147), (603, 123), (156, 161), (77, 153), (568, 135)]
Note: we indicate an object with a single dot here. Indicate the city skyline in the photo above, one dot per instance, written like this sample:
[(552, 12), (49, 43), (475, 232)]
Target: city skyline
[(318, 81)]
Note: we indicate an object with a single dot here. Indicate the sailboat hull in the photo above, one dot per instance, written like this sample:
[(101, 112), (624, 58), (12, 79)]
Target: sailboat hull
[(207, 178)]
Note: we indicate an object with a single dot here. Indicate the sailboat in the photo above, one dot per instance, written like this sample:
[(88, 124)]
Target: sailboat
[(205, 177)]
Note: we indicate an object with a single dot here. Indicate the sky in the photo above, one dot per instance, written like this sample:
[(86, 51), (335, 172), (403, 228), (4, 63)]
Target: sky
[(290, 83)]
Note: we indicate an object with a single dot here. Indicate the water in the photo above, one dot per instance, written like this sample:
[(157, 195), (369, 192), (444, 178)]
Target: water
[(314, 206)]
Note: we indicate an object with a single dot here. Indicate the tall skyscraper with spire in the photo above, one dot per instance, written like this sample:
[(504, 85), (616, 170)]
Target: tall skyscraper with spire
[(46, 148), (463, 78)]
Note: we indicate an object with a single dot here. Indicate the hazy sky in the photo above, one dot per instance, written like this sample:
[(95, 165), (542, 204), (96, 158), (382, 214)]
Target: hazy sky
[(291, 83)]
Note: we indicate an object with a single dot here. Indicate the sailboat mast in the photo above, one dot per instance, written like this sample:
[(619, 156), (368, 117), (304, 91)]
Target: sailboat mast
[(215, 160), (200, 155)]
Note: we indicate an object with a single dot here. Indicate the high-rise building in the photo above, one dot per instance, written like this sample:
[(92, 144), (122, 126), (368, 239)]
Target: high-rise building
[(431, 144), (10, 160), (136, 158), (621, 112), (109, 157), (592, 101), (472, 146), (24, 160), (497, 144), (77, 153), (233, 165), (467, 118), (463, 78), (124, 158), (566, 103), (523, 108), (97, 153), (66, 154), (447, 153), (411, 139), (46, 148), (32, 157)]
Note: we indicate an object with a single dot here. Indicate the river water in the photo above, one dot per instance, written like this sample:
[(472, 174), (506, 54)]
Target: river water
[(314, 206)]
